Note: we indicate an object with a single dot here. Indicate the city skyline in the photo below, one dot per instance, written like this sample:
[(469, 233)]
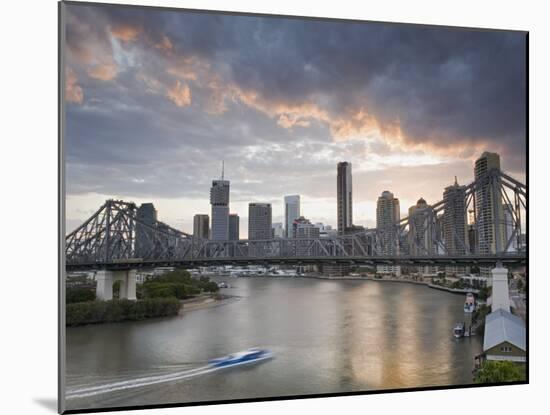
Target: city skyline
[(281, 130)]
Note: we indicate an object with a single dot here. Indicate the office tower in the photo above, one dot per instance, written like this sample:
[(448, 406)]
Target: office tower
[(278, 230), (259, 221), (234, 227), (455, 225), (201, 226), (292, 211), (387, 218), (489, 211), (344, 196), (146, 214), (219, 200)]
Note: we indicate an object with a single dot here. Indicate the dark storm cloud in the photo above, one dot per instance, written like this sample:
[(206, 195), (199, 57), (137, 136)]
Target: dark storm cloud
[(168, 95)]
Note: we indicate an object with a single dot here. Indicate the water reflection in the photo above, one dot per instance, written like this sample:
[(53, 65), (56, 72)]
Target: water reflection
[(327, 336)]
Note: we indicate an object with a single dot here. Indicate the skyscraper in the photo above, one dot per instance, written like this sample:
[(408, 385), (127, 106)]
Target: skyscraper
[(219, 200), (488, 205), (146, 214), (455, 222), (488, 208), (421, 223), (201, 226), (387, 216), (234, 227), (292, 211), (344, 196), (259, 221)]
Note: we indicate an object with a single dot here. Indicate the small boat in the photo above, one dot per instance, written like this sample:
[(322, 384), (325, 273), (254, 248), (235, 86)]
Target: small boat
[(470, 303), (458, 330), (248, 356)]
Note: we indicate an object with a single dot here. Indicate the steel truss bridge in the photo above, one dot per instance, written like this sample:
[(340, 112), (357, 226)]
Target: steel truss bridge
[(115, 237)]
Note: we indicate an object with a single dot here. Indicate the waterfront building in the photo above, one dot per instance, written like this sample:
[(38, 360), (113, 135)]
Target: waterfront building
[(234, 227), (387, 217), (489, 211), (146, 214), (219, 201), (259, 221), (201, 226), (344, 196), (278, 230), (292, 211), (504, 338)]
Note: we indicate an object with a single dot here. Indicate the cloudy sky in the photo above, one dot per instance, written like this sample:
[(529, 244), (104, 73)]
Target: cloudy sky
[(156, 99)]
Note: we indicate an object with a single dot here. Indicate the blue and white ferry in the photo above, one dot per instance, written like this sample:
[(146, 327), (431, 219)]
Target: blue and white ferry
[(248, 356)]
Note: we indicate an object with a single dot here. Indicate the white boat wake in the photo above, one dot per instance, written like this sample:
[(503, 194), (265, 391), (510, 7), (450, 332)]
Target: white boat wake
[(84, 392)]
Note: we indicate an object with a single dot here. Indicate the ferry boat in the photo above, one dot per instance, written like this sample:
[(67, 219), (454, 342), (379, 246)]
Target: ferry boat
[(470, 303), (248, 356), (458, 330)]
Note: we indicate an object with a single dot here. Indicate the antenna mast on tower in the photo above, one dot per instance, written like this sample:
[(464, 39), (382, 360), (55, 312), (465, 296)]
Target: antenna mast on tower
[(222, 168)]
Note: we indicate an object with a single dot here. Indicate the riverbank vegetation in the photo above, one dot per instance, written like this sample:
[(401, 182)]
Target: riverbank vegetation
[(500, 372), (178, 284), (158, 297), (92, 312)]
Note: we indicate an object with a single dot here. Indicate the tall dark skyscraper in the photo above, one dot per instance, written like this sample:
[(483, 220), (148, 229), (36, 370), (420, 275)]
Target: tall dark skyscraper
[(234, 227), (147, 214), (344, 197), (219, 200), (259, 221)]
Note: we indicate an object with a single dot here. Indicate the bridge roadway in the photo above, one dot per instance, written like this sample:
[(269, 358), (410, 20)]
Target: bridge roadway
[(464, 260)]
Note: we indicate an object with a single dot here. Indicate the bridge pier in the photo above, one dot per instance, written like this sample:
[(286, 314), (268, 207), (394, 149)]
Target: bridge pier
[(500, 295), (106, 278), (104, 285)]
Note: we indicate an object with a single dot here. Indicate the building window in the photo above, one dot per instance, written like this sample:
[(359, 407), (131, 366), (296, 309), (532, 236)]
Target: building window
[(505, 349)]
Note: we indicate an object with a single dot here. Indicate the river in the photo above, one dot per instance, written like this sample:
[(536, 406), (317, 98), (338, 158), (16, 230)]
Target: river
[(326, 336)]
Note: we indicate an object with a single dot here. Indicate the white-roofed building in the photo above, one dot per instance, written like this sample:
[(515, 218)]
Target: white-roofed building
[(505, 337)]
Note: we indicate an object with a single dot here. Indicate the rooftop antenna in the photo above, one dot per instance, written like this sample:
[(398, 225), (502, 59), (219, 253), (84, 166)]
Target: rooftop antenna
[(222, 168), (456, 181)]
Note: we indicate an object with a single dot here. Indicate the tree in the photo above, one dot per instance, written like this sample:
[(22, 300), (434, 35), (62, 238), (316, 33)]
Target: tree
[(499, 372)]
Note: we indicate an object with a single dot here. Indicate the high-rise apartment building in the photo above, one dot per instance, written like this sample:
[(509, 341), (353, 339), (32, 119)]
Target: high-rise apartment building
[(219, 201), (387, 217), (455, 225), (259, 221), (488, 204), (234, 227), (201, 226), (455, 220), (292, 211), (489, 211), (344, 196)]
